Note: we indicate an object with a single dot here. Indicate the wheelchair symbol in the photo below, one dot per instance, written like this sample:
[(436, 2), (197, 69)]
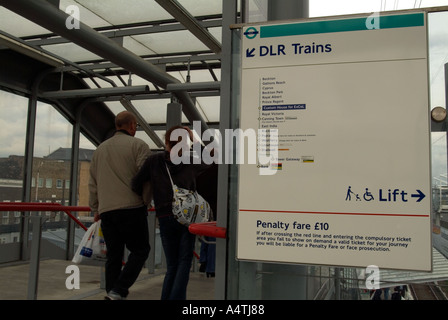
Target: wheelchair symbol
[(368, 195)]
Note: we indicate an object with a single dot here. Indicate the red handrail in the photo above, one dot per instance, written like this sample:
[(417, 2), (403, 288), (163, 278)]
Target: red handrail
[(208, 229), (38, 206)]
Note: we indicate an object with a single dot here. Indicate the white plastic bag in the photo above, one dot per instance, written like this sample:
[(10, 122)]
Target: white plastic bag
[(92, 247)]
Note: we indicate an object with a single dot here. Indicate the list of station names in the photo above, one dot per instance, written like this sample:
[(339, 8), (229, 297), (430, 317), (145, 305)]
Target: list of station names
[(280, 109), (274, 107)]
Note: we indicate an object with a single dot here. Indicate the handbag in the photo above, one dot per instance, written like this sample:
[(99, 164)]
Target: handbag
[(92, 248), (189, 206)]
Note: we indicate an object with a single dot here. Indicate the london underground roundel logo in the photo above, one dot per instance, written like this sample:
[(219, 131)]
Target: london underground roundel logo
[(251, 33)]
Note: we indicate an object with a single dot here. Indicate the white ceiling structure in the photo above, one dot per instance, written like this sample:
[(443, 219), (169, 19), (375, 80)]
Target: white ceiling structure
[(148, 29)]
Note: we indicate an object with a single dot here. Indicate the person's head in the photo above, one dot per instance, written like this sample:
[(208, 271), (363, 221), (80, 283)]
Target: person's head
[(176, 134), (127, 121)]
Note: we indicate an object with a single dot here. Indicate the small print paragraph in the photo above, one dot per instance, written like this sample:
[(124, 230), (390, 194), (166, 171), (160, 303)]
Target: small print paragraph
[(318, 237)]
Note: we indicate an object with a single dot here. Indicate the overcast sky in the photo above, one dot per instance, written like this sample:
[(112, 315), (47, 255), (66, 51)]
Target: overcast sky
[(53, 131), (338, 7)]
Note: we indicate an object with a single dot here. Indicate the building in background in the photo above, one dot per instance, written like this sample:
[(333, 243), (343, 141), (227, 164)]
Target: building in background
[(50, 184)]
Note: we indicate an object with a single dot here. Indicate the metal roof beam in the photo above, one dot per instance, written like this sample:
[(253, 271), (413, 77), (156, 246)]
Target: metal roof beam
[(53, 19), (181, 58), (194, 86), (91, 93), (127, 104), (116, 31), (190, 22)]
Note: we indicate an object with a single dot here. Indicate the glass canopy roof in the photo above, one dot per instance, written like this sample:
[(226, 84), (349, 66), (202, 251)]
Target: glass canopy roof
[(106, 13), (145, 28)]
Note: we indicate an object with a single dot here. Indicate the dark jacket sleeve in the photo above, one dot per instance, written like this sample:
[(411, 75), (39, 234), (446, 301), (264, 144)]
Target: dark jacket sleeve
[(142, 176)]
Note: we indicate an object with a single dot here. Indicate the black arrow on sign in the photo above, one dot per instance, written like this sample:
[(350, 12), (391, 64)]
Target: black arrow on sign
[(420, 195), (250, 53)]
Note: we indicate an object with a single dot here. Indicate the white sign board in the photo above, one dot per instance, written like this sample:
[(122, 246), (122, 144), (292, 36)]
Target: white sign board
[(350, 184)]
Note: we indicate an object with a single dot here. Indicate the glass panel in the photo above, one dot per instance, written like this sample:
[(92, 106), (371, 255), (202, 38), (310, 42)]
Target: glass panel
[(115, 106), (142, 135), (217, 33), (152, 110), (438, 77), (210, 107), (87, 16), (136, 47), (170, 42), (86, 149), (52, 161), (9, 22), (13, 114), (438, 56), (71, 52), (124, 12), (202, 7), (257, 11)]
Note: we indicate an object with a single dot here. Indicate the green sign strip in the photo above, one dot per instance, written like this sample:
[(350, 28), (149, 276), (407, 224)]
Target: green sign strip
[(343, 25)]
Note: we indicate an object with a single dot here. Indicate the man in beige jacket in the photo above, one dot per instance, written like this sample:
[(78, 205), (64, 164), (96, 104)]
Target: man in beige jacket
[(123, 213)]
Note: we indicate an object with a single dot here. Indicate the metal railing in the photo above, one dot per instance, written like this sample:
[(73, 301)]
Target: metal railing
[(208, 229), (39, 206), (202, 229), (37, 233)]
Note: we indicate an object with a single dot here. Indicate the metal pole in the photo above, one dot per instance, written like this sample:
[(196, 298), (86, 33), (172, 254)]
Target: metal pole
[(194, 86), (229, 16), (287, 9), (73, 192), (35, 257), (29, 155), (337, 283), (173, 114), (151, 262), (446, 85), (446, 104)]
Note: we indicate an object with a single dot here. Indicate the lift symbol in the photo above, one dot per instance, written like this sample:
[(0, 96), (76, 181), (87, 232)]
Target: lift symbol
[(384, 195)]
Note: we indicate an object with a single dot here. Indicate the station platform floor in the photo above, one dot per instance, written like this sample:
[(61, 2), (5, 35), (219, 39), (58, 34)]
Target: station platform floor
[(53, 276)]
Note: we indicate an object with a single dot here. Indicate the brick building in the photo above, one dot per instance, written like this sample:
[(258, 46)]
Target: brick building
[(50, 182)]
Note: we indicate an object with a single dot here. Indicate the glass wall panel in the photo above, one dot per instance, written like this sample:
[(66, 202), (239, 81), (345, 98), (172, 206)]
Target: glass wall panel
[(438, 77), (52, 162), (13, 114), (86, 149)]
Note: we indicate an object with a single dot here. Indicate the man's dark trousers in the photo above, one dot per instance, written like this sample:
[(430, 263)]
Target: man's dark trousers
[(125, 228)]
